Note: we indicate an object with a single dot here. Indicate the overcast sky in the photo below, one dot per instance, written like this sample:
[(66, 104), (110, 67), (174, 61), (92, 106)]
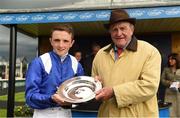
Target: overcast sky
[(26, 46)]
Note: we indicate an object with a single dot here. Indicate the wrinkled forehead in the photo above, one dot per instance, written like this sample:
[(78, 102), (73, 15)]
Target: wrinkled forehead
[(120, 24)]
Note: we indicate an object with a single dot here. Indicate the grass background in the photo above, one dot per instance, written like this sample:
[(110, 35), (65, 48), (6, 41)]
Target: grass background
[(19, 97)]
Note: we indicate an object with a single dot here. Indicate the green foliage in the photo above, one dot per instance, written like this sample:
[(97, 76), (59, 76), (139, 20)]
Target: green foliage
[(23, 111)]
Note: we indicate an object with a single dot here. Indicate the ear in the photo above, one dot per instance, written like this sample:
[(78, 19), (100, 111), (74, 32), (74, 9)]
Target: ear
[(132, 27), (50, 40), (72, 42)]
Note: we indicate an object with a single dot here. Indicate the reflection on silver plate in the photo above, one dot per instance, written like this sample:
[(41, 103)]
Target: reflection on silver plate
[(79, 89)]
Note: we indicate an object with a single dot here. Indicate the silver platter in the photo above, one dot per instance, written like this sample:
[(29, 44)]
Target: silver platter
[(79, 89)]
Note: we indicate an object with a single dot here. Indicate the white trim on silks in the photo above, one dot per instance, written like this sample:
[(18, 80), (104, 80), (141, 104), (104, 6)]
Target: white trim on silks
[(54, 112), (46, 59), (74, 64)]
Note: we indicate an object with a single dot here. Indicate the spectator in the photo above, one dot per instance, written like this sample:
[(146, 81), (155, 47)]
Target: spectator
[(89, 59), (78, 55), (169, 78)]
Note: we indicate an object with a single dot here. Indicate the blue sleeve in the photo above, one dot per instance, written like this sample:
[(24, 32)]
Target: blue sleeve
[(33, 81), (80, 70)]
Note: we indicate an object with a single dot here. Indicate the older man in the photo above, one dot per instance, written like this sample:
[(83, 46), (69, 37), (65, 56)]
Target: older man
[(129, 70)]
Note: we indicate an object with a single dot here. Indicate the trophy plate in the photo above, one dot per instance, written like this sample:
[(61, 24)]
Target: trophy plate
[(79, 89)]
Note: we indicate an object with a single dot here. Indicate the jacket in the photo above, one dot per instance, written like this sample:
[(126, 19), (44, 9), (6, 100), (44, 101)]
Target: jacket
[(168, 77), (45, 74), (134, 78)]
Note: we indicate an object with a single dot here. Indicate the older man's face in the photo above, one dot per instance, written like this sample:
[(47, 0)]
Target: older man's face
[(121, 33)]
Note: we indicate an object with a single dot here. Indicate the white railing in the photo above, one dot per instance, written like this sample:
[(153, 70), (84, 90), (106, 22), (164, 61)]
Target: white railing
[(4, 83)]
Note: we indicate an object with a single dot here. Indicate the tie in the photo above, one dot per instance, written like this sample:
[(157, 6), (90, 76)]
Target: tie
[(119, 51)]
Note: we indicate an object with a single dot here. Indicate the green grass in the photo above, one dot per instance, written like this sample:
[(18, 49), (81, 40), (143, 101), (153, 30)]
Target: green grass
[(3, 113), (19, 97)]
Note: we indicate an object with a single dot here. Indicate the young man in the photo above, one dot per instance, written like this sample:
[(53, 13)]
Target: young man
[(129, 70), (48, 72)]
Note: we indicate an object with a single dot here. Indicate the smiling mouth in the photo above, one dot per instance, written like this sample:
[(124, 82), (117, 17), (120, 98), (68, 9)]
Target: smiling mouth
[(120, 38), (60, 49)]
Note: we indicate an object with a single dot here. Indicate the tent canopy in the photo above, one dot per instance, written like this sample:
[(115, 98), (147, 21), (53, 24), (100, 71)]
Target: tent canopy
[(90, 22)]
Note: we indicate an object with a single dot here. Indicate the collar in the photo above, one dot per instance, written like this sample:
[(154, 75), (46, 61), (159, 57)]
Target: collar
[(132, 46), (61, 57)]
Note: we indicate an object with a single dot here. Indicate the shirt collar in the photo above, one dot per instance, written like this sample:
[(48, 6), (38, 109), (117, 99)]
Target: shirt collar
[(61, 57)]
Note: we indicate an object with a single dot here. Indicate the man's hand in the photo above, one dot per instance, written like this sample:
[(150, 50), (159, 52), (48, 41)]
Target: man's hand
[(56, 98), (105, 93)]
